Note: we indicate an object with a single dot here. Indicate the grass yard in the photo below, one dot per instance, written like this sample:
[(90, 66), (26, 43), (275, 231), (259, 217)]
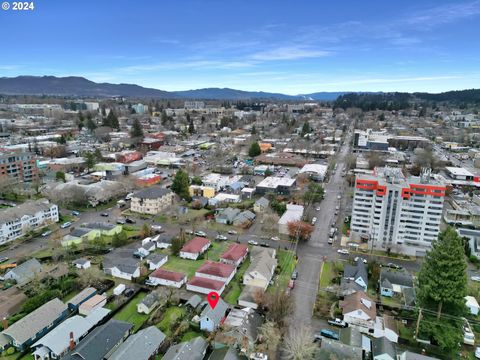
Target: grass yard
[(235, 286), (170, 318), (326, 274), (129, 312), (189, 335), (286, 261)]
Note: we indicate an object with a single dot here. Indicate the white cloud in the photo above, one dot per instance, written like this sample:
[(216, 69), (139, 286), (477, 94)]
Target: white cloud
[(289, 53)]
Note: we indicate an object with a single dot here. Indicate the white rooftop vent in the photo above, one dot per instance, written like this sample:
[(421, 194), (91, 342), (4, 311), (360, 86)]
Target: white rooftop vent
[(366, 302)]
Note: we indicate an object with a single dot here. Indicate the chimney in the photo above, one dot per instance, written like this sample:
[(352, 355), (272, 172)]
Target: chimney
[(71, 346), (5, 323)]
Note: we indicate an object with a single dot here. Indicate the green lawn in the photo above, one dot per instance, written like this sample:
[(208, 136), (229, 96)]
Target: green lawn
[(129, 312), (235, 286), (326, 275), (169, 318), (286, 261), (189, 335)]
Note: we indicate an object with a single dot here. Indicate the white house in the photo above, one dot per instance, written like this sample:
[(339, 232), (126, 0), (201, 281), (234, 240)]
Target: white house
[(156, 260), (167, 278), (149, 302), (293, 213), (216, 271), (359, 309), (386, 326), (19, 220), (261, 269), (82, 264), (204, 286), (472, 305), (194, 248)]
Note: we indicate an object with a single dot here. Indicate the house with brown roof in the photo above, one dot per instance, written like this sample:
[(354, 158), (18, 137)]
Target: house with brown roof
[(167, 278), (359, 309), (216, 271), (235, 254), (204, 286), (194, 248)]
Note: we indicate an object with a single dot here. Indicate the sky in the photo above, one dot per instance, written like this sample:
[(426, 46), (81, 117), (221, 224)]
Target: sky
[(292, 47)]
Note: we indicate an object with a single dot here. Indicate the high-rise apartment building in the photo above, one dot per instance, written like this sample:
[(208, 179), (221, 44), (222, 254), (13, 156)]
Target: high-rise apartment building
[(18, 165), (397, 213)]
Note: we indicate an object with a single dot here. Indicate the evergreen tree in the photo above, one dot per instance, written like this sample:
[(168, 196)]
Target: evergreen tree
[(91, 124), (254, 130), (180, 185), (254, 149), (111, 121), (191, 127), (442, 281), (137, 131), (306, 128)]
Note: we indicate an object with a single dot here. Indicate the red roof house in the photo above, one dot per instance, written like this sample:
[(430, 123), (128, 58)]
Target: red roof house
[(204, 286), (216, 271), (194, 248), (235, 254), (167, 278)]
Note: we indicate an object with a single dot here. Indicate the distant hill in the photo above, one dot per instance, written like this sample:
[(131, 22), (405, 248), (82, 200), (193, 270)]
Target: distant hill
[(226, 93)]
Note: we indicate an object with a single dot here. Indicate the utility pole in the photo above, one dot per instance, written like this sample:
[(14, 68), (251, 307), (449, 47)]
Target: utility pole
[(418, 322)]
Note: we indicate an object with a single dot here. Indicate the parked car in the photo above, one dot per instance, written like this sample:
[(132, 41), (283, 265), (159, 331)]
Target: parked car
[(393, 266), (314, 220), (232, 232), (129, 292), (339, 197), (295, 275), (157, 228), (252, 242), (360, 258), (337, 322), (258, 356), (66, 225), (75, 213), (343, 251), (264, 244), (220, 237), (317, 209), (3, 259), (328, 334), (477, 352), (121, 221), (475, 278), (330, 240), (104, 214), (46, 233), (275, 238), (291, 284), (200, 233), (130, 221), (189, 232)]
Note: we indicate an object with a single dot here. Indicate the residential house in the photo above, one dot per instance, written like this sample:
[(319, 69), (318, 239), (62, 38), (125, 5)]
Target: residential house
[(227, 216), (261, 205), (399, 284), (193, 302), (143, 345), (194, 248), (163, 241), (194, 349), (102, 342), (212, 318), (383, 349), (201, 191), (33, 326), (82, 264), (216, 271), (386, 326), (31, 215), (359, 309), (25, 272), (204, 286), (89, 232), (81, 297), (121, 264), (167, 278), (355, 278), (332, 349), (154, 261), (241, 327), (247, 298), (96, 301), (244, 219), (226, 353), (151, 200), (408, 355), (149, 302), (235, 254), (261, 269), (293, 213), (472, 305), (57, 342)]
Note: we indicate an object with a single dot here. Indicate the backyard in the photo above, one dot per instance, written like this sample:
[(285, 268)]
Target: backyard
[(170, 318), (235, 287), (286, 263), (129, 312)]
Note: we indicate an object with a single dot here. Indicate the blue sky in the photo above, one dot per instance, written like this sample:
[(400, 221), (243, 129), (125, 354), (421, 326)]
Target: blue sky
[(293, 46)]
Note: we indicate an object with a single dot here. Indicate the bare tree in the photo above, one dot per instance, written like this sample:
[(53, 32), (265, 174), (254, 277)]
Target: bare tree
[(269, 336), (299, 344)]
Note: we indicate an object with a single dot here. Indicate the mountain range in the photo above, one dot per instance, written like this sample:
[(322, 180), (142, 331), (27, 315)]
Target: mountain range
[(79, 86)]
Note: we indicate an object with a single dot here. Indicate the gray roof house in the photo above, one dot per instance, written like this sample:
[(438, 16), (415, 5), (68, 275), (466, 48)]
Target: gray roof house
[(194, 301), (383, 349), (211, 318), (81, 297), (101, 342), (25, 272), (194, 349), (245, 217), (140, 346), (36, 324), (226, 353), (121, 263), (355, 278), (149, 302), (226, 216), (261, 204)]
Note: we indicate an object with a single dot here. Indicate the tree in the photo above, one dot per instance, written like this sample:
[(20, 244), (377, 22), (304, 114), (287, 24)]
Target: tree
[(270, 335), (300, 229), (120, 239), (374, 160), (313, 194), (90, 160), (254, 149), (278, 305), (442, 281), (306, 128), (177, 244), (191, 127), (111, 121), (180, 185), (196, 180), (146, 231), (254, 130), (137, 131), (299, 345), (60, 176), (90, 123)]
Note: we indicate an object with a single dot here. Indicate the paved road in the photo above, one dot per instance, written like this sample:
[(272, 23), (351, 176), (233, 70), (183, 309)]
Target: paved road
[(311, 254)]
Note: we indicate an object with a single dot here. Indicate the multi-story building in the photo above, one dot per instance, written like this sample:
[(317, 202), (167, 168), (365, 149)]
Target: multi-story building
[(18, 165), (152, 200), (31, 215), (397, 213)]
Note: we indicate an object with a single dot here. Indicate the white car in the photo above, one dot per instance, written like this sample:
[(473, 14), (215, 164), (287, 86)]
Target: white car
[(252, 242), (66, 225), (314, 220), (318, 209), (275, 238), (339, 197), (232, 232), (475, 278), (221, 237), (477, 352), (359, 258), (343, 251), (200, 233)]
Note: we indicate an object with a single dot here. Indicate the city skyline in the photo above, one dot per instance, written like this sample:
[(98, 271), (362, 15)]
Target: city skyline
[(268, 46)]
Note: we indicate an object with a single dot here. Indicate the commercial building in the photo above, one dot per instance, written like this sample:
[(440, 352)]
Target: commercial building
[(151, 200), (276, 185), (395, 213), (18, 165), (31, 215)]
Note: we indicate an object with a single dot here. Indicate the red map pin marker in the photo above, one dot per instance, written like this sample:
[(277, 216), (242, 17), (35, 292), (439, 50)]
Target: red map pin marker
[(212, 299)]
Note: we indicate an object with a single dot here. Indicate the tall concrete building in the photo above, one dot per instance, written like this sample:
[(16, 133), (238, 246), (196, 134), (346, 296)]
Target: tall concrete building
[(18, 165), (397, 213)]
